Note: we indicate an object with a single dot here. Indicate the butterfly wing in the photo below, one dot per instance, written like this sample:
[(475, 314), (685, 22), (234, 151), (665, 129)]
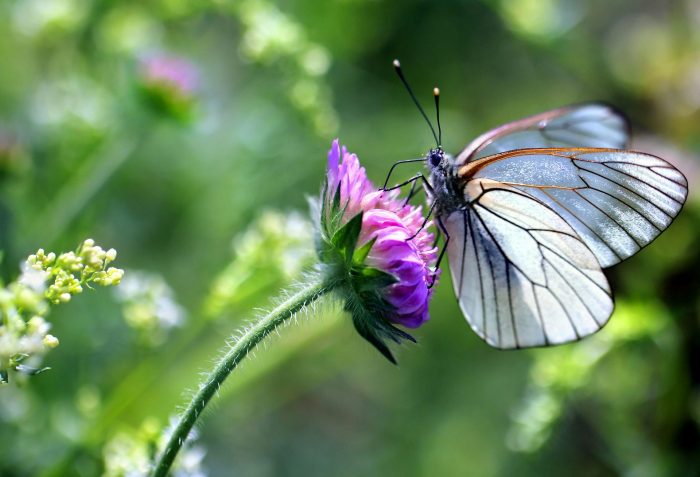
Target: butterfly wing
[(522, 275), (585, 125), (617, 201)]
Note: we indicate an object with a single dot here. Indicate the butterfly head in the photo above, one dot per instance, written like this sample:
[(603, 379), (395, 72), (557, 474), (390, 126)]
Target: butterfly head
[(435, 158)]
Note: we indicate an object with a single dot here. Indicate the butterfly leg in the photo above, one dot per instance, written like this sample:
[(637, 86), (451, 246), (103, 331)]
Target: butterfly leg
[(425, 221), (426, 184), (411, 193), (438, 234), (441, 228), (405, 161)]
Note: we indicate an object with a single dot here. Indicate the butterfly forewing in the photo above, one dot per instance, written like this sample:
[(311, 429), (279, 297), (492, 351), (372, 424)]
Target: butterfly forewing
[(585, 125), (549, 201), (616, 201), (522, 276)]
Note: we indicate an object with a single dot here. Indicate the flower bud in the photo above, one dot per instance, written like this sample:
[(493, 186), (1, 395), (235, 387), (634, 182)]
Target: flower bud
[(50, 341)]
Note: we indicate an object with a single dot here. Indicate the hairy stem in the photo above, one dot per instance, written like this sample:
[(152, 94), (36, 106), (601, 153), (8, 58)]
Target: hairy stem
[(313, 290)]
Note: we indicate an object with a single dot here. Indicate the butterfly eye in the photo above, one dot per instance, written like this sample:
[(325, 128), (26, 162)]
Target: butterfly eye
[(435, 157)]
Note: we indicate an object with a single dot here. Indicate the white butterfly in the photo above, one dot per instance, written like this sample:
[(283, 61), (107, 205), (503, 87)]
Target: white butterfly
[(535, 209)]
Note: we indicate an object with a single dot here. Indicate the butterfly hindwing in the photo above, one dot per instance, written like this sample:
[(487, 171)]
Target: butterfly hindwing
[(584, 125), (617, 201), (522, 275)]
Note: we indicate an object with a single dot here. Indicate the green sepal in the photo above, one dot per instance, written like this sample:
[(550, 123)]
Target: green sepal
[(336, 199), (361, 253), (368, 309), (331, 213), (321, 211), (345, 238), (368, 278), (377, 331), (367, 332)]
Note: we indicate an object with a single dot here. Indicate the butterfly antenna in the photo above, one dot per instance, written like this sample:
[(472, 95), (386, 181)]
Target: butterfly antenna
[(397, 67), (436, 94)]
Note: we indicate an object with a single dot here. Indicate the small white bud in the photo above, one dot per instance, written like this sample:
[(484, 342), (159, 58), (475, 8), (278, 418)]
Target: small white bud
[(50, 341)]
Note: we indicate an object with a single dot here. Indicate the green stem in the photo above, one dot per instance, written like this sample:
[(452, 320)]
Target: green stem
[(239, 350)]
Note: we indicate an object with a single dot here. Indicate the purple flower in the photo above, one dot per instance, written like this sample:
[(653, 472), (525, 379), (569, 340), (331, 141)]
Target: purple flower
[(391, 224)]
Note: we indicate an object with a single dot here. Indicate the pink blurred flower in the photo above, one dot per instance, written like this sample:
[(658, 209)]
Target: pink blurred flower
[(170, 71), (169, 84)]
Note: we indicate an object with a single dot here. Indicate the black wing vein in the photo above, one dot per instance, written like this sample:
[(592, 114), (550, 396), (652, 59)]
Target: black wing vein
[(534, 275)]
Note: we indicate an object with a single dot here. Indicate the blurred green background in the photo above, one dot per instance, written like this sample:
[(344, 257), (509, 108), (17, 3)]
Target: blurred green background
[(184, 184)]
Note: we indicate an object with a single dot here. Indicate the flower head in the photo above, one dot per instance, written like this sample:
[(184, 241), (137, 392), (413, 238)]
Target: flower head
[(170, 84), (382, 242), (171, 71)]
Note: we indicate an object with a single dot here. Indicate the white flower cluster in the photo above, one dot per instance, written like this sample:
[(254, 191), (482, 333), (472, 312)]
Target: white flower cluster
[(45, 279), (89, 262), (149, 305), (132, 453)]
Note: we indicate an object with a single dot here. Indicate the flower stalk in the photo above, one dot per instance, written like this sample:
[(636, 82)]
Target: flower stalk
[(373, 252), (310, 292)]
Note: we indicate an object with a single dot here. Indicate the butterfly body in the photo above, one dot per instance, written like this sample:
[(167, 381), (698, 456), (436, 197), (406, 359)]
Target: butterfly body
[(534, 210), (446, 187)]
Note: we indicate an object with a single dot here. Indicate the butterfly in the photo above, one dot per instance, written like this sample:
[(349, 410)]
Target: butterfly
[(534, 210)]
